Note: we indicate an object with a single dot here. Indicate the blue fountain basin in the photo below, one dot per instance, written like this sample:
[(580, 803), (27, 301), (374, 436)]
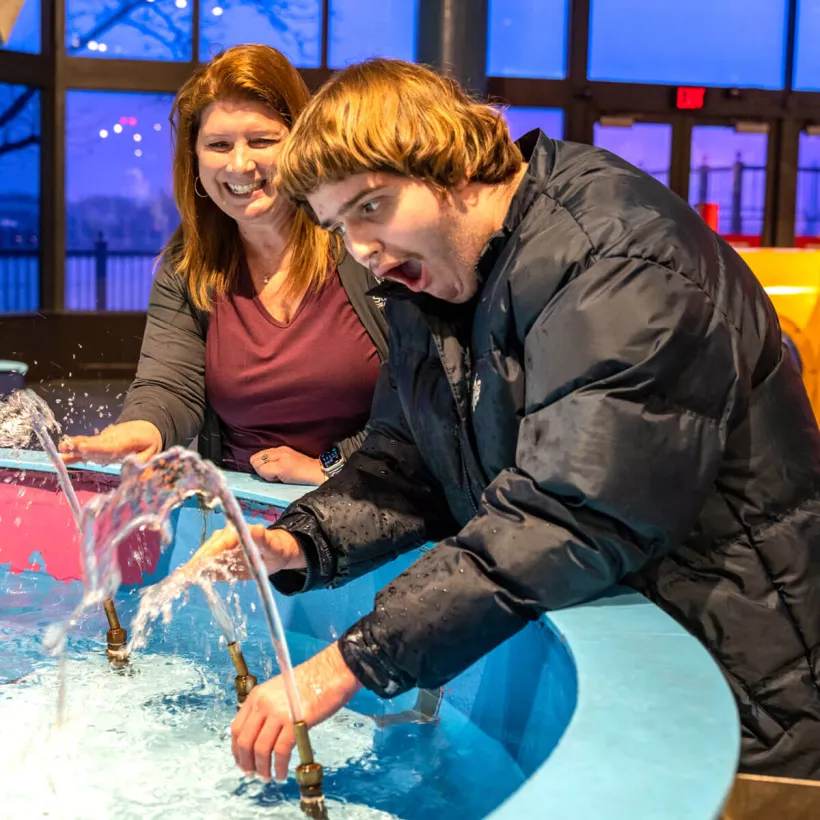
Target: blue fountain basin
[(608, 710)]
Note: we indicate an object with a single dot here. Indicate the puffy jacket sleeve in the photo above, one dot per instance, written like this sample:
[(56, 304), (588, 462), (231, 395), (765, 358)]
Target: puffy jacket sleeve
[(383, 503), (631, 379), (169, 389)]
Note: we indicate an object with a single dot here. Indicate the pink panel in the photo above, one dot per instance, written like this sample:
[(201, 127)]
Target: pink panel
[(35, 518)]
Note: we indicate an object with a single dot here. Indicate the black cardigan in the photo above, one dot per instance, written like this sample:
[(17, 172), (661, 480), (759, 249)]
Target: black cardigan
[(169, 388)]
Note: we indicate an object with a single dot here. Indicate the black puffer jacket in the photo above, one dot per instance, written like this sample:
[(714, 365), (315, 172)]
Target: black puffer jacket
[(614, 407)]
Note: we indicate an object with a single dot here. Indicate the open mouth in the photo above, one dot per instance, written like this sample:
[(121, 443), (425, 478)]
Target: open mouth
[(408, 273), (248, 188)]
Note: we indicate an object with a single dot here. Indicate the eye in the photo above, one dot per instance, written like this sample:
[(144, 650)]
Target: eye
[(370, 207), (339, 230), (262, 142), (219, 145)]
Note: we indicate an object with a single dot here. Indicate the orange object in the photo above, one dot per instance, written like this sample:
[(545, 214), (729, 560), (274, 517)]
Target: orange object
[(791, 278), (709, 212)]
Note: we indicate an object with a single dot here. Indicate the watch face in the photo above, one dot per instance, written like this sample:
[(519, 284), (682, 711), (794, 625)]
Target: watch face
[(330, 457)]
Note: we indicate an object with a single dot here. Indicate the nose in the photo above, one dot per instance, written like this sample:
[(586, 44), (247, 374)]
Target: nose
[(362, 246), (240, 160)]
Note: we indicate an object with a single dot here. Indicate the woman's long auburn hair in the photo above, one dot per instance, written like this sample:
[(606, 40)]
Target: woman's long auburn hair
[(206, 249)]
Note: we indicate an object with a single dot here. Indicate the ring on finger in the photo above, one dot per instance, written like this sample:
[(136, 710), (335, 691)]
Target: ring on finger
[(264, 456)]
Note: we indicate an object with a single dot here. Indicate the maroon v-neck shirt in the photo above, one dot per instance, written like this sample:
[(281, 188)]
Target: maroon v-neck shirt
[(305, 384)]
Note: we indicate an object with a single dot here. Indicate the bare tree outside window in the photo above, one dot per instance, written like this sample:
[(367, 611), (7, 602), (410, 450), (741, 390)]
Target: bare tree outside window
[(161, 29)]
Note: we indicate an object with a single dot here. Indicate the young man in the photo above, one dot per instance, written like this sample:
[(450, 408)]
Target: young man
[(586, 386)]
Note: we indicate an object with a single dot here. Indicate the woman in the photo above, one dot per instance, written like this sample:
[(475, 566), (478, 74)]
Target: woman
[(257, 341)]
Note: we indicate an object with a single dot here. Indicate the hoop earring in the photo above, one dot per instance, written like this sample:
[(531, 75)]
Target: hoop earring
[(201, 196)]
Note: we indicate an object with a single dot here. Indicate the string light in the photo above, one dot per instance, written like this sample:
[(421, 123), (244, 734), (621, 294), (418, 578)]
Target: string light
[(103, 133), (118, 129)]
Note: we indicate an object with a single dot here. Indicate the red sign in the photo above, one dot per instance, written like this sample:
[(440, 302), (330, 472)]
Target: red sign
[(690, 97)]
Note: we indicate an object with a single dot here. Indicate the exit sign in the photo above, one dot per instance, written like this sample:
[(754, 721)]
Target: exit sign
[(690, 97)]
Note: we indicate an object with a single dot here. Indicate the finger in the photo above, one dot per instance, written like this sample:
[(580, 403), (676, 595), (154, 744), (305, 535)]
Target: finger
[(242, 743), (260, 457), (239, 722), (263, 748), (270, 470), (282, 749), (144, 455)]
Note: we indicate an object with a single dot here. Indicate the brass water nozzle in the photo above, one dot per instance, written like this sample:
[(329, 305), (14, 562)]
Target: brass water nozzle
[(116, 636), (244, 681), (309, 775)]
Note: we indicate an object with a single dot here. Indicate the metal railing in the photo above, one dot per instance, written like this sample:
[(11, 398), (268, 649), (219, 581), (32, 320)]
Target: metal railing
[(96, 280), (103, 279), (738, 189), (19, 280)]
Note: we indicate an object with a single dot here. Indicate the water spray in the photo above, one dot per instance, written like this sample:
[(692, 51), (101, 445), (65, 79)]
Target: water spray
[(145, 496), (244, 681), (23, 413)]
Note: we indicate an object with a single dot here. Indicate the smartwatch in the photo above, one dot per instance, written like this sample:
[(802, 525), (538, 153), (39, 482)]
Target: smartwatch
[(332, 461)]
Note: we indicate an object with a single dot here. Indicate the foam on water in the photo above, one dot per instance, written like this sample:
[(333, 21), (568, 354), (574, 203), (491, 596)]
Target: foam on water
[(154, 743)]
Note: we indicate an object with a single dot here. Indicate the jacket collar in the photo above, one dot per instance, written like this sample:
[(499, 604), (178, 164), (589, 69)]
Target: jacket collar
[(538, 151)]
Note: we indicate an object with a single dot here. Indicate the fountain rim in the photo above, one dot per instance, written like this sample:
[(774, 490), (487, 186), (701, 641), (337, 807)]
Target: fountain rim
[(687, 768), (11, 366)]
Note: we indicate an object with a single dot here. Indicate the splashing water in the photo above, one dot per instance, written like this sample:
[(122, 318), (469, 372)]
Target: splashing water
[(218, 610), (23, 415), (143, 500)]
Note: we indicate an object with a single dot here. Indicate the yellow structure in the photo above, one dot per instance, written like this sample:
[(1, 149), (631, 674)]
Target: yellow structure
[(791, 278)]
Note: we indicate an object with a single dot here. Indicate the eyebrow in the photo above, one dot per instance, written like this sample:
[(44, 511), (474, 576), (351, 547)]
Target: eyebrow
[(352, 202), (257, 132)]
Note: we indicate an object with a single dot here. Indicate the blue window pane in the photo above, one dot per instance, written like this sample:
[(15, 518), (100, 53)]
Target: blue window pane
[(527, 38), (24, 34), (149, 30), (807, 54), (293, 27), (729, 169), (807, 215), (19, 198), (647, 145), (703, 42), (119, 203), (521, 120), (371, 28)]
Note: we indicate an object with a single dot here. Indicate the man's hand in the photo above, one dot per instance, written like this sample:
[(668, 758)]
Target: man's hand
[(264, 726), (138, 438), (288, 466), (221, 557)]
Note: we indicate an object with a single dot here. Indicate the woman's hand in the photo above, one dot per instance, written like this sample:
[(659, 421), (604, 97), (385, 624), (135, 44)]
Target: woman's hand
[(264, 725), (131, 438), (288, 466), (221, 557)]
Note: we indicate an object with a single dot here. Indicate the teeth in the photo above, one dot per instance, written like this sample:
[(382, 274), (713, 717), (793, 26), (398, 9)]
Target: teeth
[(246, 189)]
